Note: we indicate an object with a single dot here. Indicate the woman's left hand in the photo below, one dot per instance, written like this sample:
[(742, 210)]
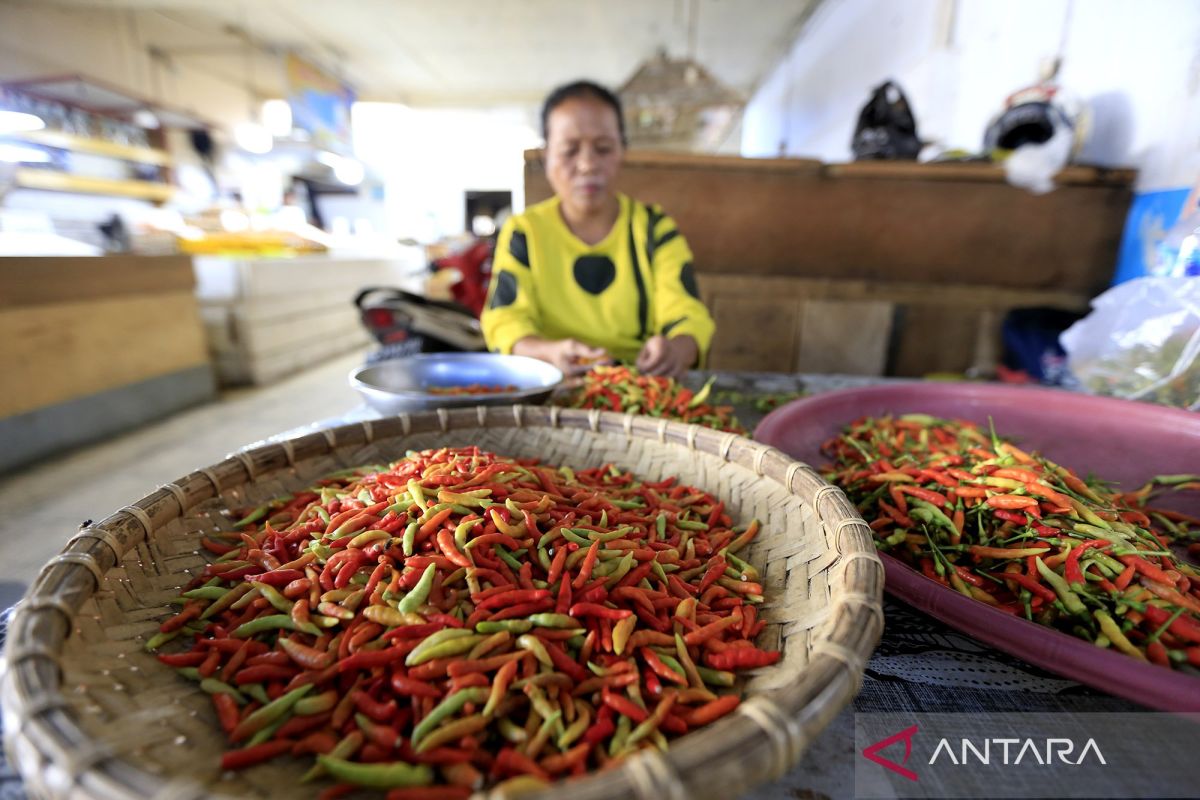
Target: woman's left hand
[(670, 357)]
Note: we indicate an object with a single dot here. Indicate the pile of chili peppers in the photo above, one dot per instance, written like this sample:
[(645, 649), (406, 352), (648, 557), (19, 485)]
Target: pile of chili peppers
[(625, 390), (1025, 535), (473, 388), (462, 619)]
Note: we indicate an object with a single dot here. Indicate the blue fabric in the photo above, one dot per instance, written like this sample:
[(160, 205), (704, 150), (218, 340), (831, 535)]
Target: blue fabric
[(1150, 217)]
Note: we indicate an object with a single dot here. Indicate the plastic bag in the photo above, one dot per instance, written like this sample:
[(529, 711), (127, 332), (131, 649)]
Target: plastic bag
[(886, 128), (1141, 341)]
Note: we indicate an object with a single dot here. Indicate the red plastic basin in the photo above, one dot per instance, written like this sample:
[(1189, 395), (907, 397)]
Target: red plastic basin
[(1118, 440)]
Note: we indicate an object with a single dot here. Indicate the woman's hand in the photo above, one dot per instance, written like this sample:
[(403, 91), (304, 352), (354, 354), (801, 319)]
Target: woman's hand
[(670, 357), (572, 356)]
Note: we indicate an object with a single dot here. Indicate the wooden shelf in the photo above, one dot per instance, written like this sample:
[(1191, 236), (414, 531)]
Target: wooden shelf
[(99, 147), (62, 182), (970, 171)]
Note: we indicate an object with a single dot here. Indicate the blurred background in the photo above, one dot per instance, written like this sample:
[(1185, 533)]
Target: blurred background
[(197, 195)]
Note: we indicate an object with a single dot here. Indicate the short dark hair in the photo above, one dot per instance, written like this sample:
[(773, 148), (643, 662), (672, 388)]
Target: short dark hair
[(581, 89)]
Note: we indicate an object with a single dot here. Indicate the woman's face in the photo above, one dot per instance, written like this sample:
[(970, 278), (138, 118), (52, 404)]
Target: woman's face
[(583, 153)]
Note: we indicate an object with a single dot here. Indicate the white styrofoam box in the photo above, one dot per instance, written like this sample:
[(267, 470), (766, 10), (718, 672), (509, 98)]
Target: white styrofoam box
[(234, 369), (220, 279)]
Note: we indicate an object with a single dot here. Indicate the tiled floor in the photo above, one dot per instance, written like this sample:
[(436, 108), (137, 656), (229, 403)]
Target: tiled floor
[(42, 507)]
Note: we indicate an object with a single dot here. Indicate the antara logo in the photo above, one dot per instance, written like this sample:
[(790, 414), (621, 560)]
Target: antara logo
[(988, 751), (1044, 751), (872, 752)]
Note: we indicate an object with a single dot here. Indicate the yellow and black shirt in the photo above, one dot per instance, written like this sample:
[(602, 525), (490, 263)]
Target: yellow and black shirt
[(635, 283)]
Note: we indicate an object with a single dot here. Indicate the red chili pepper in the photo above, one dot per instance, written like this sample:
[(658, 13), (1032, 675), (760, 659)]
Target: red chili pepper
[(1072, 572), (928, 495), (249, 756), (1045, 592), (603, 612), (1146, 568), (623, 705), (741, 658), (711, 711), (1184, 626)]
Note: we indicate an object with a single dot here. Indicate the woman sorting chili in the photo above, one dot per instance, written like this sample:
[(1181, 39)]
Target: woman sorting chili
[(592, 275)]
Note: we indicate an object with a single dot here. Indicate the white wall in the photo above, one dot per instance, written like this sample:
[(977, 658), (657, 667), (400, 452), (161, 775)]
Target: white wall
[(1137, 63), (429, 158)]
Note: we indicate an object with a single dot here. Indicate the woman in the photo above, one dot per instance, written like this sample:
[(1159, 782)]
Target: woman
[(591, 274)]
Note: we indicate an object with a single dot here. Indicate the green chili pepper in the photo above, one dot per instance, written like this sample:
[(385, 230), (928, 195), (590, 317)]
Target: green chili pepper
[(715, 677), (366, 537), (534, 645), (461, 531), (552, 620), (408, 543), (507, 558), (342, 750), (256, 692), (226, 600), (510, 625), (575, 536), (511, 731), (451, 705), (623, 567), (575, 729), (617, 743), (434, 640), (214, 686), (418, 495), (316, 704), (1069, 599), (660, 526), (388, 775), (159, 639), (627, 504), (281, 603), (420, 593), (206, 593), (253, 516), (272, 711), (271, 623)]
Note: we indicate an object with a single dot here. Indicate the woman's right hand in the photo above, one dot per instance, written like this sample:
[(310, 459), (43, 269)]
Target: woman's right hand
[(572, 356)]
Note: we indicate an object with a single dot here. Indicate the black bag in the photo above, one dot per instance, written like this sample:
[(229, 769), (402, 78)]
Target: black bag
[(886, 128), (406, 324)]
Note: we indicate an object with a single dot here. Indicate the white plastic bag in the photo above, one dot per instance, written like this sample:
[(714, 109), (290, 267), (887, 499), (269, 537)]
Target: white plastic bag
[(1141, 341)]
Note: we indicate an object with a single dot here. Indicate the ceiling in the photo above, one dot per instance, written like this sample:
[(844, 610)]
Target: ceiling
[(465, 53)]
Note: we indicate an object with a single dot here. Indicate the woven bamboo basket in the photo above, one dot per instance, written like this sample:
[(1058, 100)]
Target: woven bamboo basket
[(89, 714)]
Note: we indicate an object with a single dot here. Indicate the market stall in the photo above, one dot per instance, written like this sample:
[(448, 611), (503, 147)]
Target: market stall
[(920, 665)]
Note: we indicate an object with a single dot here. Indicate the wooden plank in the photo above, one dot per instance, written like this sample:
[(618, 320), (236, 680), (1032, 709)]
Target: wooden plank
[(966, 171), (849, 337), (754, 333), (69, 350), (49, 180), (26, 281), (934, 338), (536, 159), (49, 430), (801, 288), (99, 147), (917, 226)]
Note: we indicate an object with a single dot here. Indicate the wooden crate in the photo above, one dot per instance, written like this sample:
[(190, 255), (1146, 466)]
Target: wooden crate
[(875, 267), (95, 346), (956, 224), (268, 318), (784, 324)]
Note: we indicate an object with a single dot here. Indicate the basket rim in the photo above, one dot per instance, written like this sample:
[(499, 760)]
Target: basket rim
[(780, 721)]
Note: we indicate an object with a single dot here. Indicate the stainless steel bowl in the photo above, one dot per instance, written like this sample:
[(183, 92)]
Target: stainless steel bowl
[(401, 384)]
